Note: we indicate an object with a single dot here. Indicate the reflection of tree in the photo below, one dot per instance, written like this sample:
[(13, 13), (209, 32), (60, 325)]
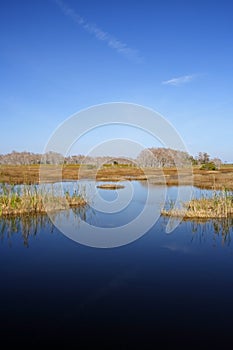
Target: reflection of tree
[(221, 228), (30, 225)]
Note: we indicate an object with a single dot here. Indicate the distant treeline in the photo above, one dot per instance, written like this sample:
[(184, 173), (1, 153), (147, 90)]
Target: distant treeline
[(150, 157), (28, 158), (166, 157)]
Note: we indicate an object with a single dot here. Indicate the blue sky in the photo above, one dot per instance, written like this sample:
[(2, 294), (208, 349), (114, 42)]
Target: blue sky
[(59, 57)]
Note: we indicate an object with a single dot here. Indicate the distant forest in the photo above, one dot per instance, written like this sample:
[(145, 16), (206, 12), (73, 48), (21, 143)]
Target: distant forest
[(150, 157)]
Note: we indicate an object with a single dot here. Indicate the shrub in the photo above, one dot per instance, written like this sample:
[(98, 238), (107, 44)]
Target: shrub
[(208, 166)]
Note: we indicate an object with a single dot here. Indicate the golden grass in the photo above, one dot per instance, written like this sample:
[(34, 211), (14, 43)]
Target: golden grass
[(30, 199), (220, 205), (110, 186), (29, 174)]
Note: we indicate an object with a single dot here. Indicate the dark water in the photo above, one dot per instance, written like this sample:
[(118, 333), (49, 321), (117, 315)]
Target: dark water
[(175, 288)]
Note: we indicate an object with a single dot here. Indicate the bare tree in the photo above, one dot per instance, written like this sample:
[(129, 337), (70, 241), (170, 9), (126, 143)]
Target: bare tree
[(163, 157), (217, 162), (203, 158)]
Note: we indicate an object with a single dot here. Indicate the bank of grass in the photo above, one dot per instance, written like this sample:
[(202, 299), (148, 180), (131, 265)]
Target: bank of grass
[(30, 174), (219, 205), (28, 199)]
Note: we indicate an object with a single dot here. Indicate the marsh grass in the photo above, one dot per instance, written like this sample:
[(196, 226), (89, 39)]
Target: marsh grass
[(29, 199), (111, 186), (219, 205), (30, 174)]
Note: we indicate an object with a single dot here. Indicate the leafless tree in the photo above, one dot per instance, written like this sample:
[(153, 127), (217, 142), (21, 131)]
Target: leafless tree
[(203, 158), (217, 162), (163, 157)]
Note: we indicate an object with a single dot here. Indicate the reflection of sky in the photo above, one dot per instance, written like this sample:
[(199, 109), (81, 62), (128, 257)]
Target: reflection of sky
[(172, 192), (114, 221), (190, 269), (116, 208), (171, 282), (121, 205)]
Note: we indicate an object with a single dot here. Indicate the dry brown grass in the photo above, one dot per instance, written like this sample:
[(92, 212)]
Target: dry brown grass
[(220, 205), (31, 200), (110, 186), (19, 174)]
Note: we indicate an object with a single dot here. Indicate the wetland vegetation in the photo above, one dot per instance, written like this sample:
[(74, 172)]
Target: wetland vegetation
[(218, 205), (32, 199), (155, 165)]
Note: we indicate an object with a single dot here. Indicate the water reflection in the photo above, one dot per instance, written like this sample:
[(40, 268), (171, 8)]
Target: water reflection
[(30, 225), (218, 228), (217, 231), (25, 225)]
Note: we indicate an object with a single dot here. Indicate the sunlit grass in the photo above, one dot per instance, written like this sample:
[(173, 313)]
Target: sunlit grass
[(28, 199), (219, 205)]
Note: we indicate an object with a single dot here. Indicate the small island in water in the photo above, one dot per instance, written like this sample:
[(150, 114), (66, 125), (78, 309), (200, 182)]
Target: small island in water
[(218, 206), (112, 186)]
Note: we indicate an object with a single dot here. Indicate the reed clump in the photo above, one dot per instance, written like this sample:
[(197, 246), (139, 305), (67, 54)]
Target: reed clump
[(29, 199), (219, 205)]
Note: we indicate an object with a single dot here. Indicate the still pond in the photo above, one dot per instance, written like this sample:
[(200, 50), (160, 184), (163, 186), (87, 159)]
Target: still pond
[(160, 287)]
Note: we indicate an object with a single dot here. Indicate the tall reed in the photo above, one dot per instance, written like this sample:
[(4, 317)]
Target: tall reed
[(219, 205), (36, 199)]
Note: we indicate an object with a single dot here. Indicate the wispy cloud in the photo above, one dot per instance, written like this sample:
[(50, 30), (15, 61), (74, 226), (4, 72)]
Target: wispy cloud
[(179, 80), (100, 34)]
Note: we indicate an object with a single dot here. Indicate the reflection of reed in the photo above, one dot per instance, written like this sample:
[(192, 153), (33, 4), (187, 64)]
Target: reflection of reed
[(81, 212), (87, 214), (221, 228), (30, 225), (25, 225)]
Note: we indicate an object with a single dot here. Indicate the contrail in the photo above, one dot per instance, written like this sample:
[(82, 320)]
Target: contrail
[(100, 34), (180, 80)]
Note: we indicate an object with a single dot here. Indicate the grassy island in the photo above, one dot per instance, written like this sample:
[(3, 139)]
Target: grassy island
[(112, 186), (219, 205)]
